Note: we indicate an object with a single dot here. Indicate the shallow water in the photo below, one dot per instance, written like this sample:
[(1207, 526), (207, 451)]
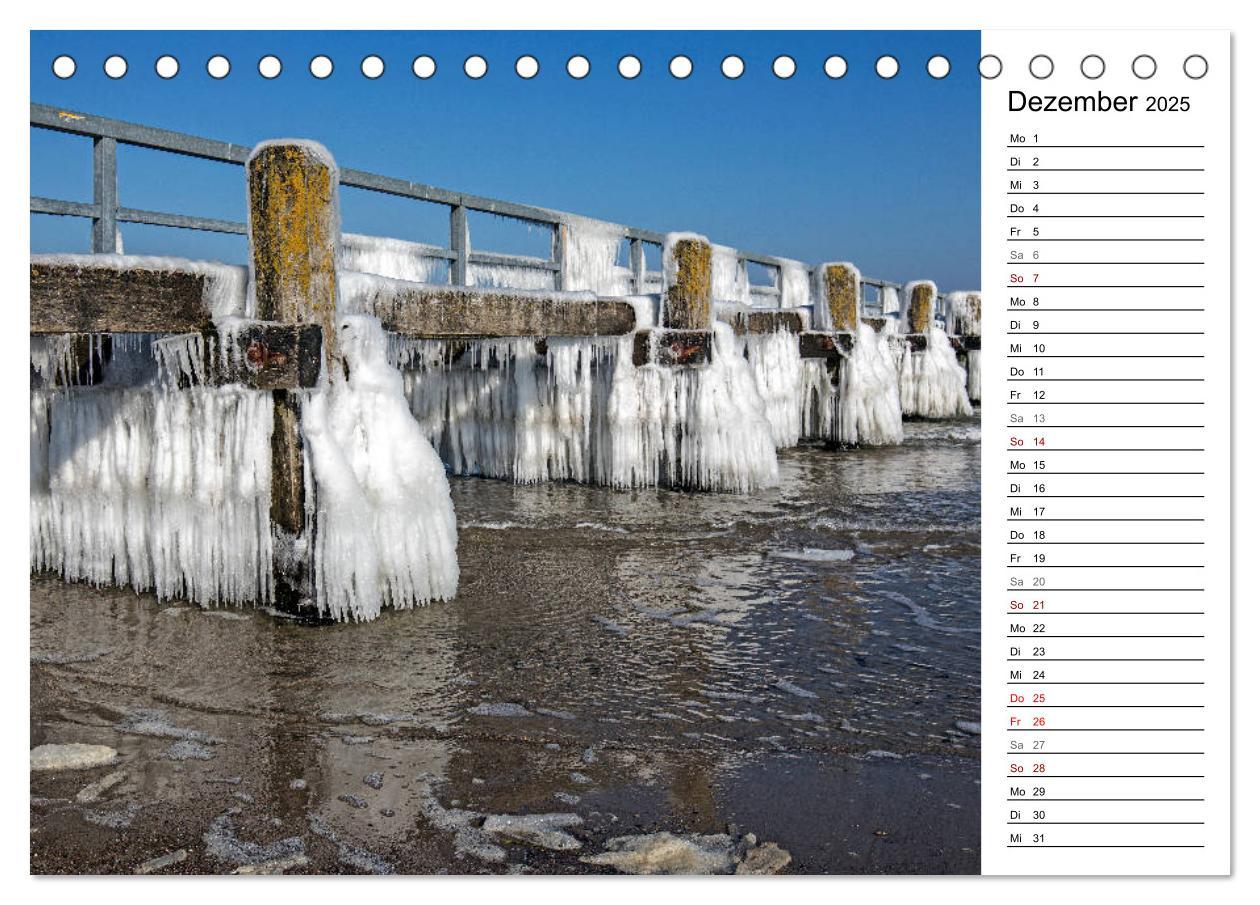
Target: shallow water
[(793, 664)]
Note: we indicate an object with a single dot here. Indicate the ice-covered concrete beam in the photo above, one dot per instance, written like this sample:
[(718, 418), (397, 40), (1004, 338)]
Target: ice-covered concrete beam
[(688, 264), (748, 321), (69, 298), (439, 312)]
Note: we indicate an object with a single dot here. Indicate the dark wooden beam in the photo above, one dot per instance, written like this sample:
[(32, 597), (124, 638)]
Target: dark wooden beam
[(831, 346), (67, 298), (673, 348), (264, 356), (457, 312)]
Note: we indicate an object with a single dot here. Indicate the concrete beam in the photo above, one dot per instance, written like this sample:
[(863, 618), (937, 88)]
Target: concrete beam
[(68, 298), (744, 322), (456, 312)]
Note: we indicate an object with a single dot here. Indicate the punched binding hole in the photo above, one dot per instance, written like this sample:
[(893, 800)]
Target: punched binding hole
[(64, 66), (1093, 66), (116, 66), (423, 66), (270, 66), (218, 66), (527, 67), (166, 66), (321, 66)]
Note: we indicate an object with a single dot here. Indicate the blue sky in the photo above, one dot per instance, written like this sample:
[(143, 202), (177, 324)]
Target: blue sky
[(884, 173)]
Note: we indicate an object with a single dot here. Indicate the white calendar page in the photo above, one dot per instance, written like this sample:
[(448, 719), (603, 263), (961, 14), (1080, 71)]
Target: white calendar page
[(1106, 597), (983, 639)]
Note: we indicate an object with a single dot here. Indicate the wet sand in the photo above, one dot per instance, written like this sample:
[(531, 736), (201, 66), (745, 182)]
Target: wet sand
[(801, 664)]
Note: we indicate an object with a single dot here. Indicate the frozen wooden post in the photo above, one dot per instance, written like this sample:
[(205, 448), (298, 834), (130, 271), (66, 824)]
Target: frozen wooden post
[(294, 232), (841, 288), (689, 295), (919, 307)]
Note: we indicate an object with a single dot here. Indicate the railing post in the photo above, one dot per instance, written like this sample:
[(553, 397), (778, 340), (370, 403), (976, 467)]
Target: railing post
[(105, 195), (294, 233), (638, 267), (559, 247), (689, 275), (459, 245)]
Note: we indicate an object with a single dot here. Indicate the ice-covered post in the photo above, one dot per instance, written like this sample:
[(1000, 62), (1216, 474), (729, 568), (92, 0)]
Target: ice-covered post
[(294, 232), (918, 313), (689, 282), (840, 286)]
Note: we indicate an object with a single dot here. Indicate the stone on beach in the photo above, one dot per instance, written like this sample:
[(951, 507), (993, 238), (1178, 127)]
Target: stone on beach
[(72, 756)]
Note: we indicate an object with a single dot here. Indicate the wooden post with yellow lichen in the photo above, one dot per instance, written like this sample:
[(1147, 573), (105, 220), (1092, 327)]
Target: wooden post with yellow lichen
[(841, 286), (294, 232), (919, 305), (689, 293)]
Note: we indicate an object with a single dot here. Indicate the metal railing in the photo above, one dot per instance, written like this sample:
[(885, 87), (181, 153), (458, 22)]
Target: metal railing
[(105, 212)]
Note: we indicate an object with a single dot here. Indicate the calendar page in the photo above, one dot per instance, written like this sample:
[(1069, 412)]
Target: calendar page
[(501, 451)]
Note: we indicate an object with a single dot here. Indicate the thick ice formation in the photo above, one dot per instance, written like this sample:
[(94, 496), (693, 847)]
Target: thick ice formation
[(385, 524), (775, 359), (730, 280), (394, 258), (933, 383), (889, 300), (162, 490), (871, 407), (793, 284), (964, 320), (585, 412), (590, 257)]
